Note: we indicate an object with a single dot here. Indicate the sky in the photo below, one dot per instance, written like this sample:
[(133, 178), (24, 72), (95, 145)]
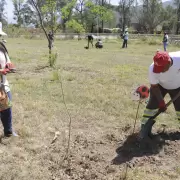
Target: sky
[(10, 9)]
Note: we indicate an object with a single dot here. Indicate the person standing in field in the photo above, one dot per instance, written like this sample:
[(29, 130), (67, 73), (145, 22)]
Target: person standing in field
[(125, 39), (90, 40), (165, 41), (5, 108)]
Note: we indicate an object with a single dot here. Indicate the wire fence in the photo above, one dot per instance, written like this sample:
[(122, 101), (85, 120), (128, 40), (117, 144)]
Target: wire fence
[(173, 39)]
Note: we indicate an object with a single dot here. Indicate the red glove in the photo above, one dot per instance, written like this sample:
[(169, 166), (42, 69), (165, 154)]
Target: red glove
[(162, 106), (10, 66), (4, 71)]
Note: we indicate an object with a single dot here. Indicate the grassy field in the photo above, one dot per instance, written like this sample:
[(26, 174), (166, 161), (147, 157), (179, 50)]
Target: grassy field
[(97, 87)]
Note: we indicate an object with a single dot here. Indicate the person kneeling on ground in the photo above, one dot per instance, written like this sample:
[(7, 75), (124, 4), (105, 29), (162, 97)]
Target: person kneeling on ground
[(99, 44), (5, 104), (164, 77)]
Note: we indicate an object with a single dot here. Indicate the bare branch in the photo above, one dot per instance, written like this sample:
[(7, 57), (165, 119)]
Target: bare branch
[(40, 18)]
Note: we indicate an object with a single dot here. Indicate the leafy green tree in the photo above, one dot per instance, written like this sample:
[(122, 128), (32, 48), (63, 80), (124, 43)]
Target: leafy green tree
[(18, 6), (23, 13), (124, 10), (79, 10), (2, 11), (106, 4), (50, 15), (77, 27), (170, 19), (96, 13), (177, 4), (47, 17), (66, 12), (153, 14), (150, 15)]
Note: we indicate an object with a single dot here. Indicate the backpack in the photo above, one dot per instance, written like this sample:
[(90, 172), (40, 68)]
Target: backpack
[(5, 102)]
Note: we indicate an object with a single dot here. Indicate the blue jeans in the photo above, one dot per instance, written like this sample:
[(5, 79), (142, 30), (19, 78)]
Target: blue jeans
[(6, 118), (165, 46)]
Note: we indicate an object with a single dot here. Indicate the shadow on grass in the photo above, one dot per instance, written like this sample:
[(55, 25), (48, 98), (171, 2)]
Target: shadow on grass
[(132, 147)]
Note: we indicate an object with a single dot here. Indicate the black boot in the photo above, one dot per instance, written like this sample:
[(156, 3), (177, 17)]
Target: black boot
[(150, 129), (146, 129)]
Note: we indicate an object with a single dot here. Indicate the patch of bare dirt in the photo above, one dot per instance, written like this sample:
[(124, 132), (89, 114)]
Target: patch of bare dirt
[(162, 151), (93, 158)]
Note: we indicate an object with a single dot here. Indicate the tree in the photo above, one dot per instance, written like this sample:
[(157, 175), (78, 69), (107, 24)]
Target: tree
[(47, 14), (153, 14), (91, 13), (106, 4), (18, 5), (77, 27), (66, 12), (96, 13), (2, 12), (50, 15), (124, 10), (80, 8), (23, 13), (170, 19), (177, 3)]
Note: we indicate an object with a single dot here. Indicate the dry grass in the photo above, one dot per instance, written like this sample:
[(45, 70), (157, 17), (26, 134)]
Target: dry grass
[(97, 86)]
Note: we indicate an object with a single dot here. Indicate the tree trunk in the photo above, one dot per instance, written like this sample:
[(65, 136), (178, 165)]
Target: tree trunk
[(50, 52), (178, 19), (124, 23), (151, 31), (102, 22), (64, 26), (177, 28), (92, 28), (102, 26)]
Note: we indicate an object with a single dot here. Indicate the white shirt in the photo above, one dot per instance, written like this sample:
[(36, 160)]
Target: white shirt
[(167, 36), (100, 43), (3, 64), (169, 79)]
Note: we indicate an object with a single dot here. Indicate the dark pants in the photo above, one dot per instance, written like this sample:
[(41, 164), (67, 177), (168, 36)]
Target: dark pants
[(165, 46), (6, 118), (153, 102), (99, 46), (90, 41), (124, 43)]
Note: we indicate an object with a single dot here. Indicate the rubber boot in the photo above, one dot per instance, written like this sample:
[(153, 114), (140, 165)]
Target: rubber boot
[(150, 129), (146, 129)]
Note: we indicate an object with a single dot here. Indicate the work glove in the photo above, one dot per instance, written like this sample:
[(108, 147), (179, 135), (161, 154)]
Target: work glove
[(162, 106), (4, 71), (9, 66)]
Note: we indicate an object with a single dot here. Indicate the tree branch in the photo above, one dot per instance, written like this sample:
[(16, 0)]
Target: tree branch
[(40, 18)]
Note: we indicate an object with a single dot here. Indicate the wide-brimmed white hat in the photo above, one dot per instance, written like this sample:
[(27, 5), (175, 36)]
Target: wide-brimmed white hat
[(1, 31)]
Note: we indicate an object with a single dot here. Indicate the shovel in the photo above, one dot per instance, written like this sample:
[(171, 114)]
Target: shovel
[(151, 120), (168, 104)]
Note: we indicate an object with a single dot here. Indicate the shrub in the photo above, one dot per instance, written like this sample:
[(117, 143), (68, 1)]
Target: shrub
[(116, 30), (144, 39), (52, 59), (107, 30), (154, 41)]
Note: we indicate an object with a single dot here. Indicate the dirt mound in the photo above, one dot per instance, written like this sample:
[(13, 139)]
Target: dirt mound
[(92, 158), (163, 146)]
